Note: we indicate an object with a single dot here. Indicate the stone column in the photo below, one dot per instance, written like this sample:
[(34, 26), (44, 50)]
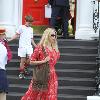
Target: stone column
[(93, 97), (84, 20), (10, 15)]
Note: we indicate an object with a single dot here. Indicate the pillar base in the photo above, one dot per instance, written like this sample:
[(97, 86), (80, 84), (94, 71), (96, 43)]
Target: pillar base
[(93, 97), (86, 34)]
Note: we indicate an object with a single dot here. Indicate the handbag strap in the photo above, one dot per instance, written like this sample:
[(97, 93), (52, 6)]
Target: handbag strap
[(44, 51)]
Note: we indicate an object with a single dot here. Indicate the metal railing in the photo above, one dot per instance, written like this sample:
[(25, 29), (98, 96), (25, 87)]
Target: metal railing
[(95, 16), (98, 69), (96, 26)]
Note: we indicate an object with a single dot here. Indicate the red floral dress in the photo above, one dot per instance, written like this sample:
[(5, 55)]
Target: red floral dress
[(51, 93)]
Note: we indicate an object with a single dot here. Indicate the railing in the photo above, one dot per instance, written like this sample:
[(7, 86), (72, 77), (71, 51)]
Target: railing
[(98, 58), (95, 16), (98, 69)]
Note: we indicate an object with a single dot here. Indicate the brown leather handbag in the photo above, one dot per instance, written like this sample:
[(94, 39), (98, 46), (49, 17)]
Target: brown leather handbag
[(41, 75)]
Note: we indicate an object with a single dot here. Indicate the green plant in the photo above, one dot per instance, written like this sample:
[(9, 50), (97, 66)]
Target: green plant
[(39, 29)]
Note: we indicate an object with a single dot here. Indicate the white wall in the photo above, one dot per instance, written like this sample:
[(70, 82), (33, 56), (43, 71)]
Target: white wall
[(10, 15)]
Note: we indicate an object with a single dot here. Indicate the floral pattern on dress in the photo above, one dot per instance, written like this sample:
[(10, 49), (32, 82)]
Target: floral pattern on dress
[(51, 93)]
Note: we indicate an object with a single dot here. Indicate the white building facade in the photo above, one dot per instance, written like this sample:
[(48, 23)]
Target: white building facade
[(11, 17), (86, 17), (11, 12)]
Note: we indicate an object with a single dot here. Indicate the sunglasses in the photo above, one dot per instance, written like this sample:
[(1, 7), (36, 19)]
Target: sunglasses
[(53, 35)]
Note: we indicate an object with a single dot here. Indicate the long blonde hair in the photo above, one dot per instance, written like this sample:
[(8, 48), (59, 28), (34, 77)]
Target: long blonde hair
[(45, 39)]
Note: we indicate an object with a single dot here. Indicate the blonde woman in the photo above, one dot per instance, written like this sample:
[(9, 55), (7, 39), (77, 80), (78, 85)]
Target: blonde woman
[(49, 42)]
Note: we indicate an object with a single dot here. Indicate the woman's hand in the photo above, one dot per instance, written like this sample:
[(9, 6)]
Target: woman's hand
[(40, 62), (46, 59)]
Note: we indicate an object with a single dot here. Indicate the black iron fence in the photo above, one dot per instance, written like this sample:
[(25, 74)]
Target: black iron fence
[(98, 69), (96, 26), (95, 16)]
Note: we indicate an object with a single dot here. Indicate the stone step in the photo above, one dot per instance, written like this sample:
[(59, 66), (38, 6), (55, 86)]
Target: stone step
[(60, 72), (70, 57), (70, 42), (63, 64), (70, 49), (76, 70), (17, 96), (67, 42), (78, 49), (76, 73), (63, 81), (68, 90)]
